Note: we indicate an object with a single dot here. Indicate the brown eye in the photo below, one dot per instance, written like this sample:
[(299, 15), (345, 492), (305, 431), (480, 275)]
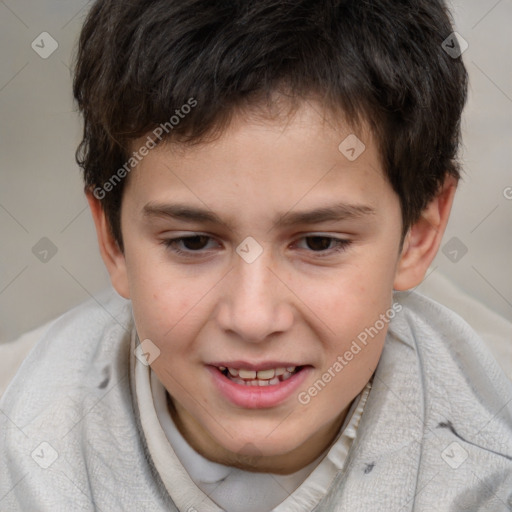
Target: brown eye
[(319, 243), (324, 245), (195, 243), (188, 245)]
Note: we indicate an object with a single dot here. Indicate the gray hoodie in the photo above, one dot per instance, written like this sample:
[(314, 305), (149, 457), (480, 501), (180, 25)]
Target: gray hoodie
[(435, 435)]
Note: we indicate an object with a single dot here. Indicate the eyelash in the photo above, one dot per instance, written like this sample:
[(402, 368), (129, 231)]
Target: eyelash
[(171, 244)]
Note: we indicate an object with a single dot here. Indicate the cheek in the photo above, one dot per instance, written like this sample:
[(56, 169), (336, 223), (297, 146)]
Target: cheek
[(351, 305), (354, 294), (163, 315), (164, 305)]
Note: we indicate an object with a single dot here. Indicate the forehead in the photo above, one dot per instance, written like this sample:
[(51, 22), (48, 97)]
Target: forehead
[(305, 158)]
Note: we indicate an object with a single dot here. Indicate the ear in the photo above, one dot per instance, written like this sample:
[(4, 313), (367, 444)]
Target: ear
[(424, 238), (110, 252)]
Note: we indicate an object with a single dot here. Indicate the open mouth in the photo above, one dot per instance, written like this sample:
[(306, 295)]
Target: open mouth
[(258, 386), (270, 377)]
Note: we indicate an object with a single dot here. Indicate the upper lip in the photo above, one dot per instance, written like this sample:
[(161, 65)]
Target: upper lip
[(263, 365)]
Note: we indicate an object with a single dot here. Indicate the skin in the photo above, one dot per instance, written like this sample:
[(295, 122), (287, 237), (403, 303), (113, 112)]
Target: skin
[(291, 303)]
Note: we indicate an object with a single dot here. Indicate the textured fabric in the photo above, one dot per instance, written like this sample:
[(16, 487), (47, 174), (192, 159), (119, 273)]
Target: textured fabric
[(231, 488), (435, 435)]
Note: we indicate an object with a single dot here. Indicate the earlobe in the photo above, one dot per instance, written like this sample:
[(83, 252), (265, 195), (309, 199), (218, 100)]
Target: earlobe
[(111, 254), (424, 238)]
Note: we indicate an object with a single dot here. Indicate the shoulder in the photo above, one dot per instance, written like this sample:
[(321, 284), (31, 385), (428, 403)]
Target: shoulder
[(72, 346), (69, 437), (449, 349), (63, 385), (432, 325), (465, 392), (69, 365)]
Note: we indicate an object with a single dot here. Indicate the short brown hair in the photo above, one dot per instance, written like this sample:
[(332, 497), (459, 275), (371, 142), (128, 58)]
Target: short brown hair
[(377, 60)]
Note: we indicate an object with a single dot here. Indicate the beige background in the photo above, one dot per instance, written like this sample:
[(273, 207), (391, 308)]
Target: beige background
[(41, 190)]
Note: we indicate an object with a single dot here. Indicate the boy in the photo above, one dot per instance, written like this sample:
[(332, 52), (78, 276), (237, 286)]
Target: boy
[(243, 365)]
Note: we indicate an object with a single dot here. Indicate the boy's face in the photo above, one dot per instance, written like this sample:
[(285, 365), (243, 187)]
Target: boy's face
[(286, 298)]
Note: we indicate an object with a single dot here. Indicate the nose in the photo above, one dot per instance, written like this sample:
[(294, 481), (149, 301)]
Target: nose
[(255, 300)]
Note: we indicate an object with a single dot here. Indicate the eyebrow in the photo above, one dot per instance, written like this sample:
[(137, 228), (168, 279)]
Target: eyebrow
[(335, 212)]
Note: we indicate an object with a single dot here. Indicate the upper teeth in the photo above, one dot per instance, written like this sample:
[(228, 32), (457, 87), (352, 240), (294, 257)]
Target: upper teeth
[(261, 374)]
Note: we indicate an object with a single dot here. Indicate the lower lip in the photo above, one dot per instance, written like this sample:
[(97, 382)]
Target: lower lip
[(258, 397)]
